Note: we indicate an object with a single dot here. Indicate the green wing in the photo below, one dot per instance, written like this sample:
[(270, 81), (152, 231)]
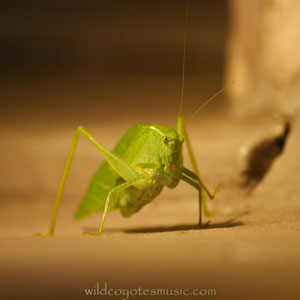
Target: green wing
[(106, 178)]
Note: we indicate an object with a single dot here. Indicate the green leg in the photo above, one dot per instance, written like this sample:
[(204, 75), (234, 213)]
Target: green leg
[(62, 185), (113, 192), (124, 170), (183, 133), (200, 199), (195, 177)]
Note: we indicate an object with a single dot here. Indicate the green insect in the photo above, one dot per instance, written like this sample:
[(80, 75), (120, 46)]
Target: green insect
[(146, 159)]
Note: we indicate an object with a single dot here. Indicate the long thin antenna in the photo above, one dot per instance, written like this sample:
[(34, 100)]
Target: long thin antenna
[(184, 54), (209, 100)]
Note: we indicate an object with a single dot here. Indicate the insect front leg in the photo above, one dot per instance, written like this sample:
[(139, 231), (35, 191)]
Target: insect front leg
[(112, 193), (202, 203), (195, 177), (128, 173), (198, 186), (144, 175)]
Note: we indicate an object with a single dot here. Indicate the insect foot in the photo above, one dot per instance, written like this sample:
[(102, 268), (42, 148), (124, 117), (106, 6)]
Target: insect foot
[(44, 234), (217, 190), (207, 224), (92, 233)]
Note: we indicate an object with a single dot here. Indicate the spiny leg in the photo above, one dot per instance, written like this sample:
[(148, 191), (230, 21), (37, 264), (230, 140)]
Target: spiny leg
[(123, 169), (195, 177), (122, 187), (199, 188), (113, 192), (183, 133)]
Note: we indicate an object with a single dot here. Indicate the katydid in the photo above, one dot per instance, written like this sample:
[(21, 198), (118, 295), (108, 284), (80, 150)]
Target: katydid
[(146, 159)]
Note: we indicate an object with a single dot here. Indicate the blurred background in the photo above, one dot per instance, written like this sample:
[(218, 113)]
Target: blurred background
[(109, 64), (104, 65), (73, 62)]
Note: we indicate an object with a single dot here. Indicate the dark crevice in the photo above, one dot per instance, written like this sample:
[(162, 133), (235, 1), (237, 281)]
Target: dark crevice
[(261, 157)]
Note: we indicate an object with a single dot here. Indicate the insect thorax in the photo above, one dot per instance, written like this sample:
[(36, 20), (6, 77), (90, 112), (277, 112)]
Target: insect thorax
[(160, 152)]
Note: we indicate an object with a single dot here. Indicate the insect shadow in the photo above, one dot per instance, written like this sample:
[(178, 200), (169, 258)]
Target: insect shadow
[(183, 227), (173, 228)]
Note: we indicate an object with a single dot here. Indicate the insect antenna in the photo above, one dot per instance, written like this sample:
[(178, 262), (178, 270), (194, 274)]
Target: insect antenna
[(209, 100), (187, 10)]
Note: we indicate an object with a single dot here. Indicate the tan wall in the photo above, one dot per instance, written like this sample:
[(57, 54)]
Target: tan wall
[(263, 55)]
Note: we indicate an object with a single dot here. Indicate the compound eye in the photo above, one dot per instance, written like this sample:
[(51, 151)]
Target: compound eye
[(165, 139)]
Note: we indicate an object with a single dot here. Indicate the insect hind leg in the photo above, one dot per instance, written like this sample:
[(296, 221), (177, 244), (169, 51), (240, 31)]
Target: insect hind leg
[(122, 168)]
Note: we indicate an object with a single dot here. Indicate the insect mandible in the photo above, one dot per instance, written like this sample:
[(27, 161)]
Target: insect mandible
[(146, 159)]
